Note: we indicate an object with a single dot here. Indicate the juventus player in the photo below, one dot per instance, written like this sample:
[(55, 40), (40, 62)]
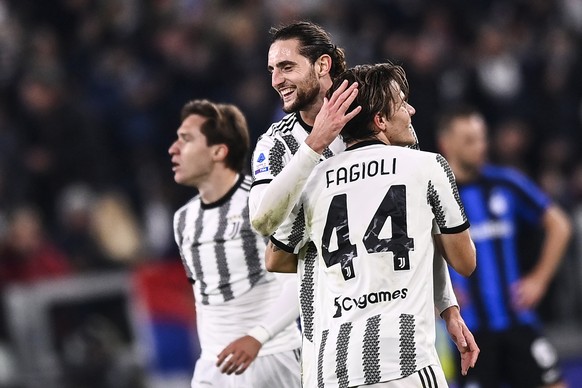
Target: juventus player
[(242, 310), (303, 62), (370, 212)]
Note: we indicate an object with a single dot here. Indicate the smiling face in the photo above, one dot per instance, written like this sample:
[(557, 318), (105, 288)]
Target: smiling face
[(192, 157), (293, 76)]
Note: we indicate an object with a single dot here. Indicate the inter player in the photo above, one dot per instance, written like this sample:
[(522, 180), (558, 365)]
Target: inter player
[(303, 62), (370, 212), (498, 300), (246, 316)]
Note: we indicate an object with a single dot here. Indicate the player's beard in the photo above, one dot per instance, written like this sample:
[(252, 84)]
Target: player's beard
[(307, 92)]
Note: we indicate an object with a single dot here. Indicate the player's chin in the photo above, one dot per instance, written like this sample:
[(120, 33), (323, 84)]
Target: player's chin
[(289, 106), (179, 179)]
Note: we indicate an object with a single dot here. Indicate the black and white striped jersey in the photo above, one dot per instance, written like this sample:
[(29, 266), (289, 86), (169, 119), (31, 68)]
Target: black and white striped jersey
[(273, 151), (224, 259), (369, 211)]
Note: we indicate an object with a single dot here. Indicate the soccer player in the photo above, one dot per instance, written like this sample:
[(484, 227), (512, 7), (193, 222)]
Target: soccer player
[(246, 316), (303, 63), (370, 212), (498, 300)]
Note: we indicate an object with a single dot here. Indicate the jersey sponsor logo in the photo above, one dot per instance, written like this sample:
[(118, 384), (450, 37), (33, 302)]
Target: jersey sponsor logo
[(498, 204), (347, 303), (490, 230), (262, 169), (261, 157)]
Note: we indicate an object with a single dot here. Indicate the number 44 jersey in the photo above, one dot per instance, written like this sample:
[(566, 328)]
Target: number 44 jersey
[(370, 211)]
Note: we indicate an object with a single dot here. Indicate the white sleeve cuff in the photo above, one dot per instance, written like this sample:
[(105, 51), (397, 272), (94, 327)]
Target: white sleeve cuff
[(310, 153), (260, 334)]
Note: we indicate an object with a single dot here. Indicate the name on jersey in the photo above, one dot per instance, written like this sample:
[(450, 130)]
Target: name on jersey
[(347, 303), (363, 170)]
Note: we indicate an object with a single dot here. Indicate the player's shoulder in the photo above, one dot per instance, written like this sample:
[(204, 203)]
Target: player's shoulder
[(246, 183), (508, 176), (194, 202), (282, 127), (417, 156), (503, 174), (494, 171)]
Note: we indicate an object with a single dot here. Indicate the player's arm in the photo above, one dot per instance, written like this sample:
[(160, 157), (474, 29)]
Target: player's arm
[(444, 295), (279, 260), (239, 354), (271, 203), (558, 230), (447, 306), (462, 337), (458, 250), (454, 241)]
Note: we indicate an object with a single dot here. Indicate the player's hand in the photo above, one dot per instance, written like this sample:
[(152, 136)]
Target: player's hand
[(332, 117), (238, 355), (462, 337), (528, 292)]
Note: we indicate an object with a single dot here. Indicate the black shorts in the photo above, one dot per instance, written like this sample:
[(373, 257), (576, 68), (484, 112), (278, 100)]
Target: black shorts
[(520, 357)]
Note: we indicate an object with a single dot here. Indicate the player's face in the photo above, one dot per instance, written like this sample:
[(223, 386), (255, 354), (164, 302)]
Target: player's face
[(467, 142), (292, 76), (400, 124), (192, 160)]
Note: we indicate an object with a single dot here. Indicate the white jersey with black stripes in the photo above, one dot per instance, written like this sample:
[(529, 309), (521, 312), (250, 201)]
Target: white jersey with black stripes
[(273, 152), (369, 211), (224, 259)]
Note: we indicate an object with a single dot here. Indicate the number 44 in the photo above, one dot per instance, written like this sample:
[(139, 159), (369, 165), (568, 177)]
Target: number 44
[(393, 206)]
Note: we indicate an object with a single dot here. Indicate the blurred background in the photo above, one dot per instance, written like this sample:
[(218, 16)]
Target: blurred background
[(93, 291)]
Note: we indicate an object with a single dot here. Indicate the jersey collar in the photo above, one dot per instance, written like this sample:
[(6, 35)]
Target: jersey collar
[(226, 196), (307, 128), (364, 143)]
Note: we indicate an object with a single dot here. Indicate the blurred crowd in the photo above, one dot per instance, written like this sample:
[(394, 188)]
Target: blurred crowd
[(91, 90)]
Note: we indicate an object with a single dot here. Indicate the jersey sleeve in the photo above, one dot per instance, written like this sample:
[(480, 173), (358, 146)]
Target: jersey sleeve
[(272, 203), (265, 160), (444, 199), (444, 295), (292, 235), (283, 312)]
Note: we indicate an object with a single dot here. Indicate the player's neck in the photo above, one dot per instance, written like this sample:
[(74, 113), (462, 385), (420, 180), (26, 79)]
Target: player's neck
[(309, 113), (217, 185), (308, 116)]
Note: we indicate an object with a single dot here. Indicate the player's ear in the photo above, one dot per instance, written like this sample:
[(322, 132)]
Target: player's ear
[(219, 152), (380, 121), (323, 65)]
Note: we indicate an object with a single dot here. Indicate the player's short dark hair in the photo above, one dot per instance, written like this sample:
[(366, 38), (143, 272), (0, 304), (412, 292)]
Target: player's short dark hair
[(376, 94), (314, 42), (452, 113), (225, 124)]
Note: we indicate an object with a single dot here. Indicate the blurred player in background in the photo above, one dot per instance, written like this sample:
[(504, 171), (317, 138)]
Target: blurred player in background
[(498, 301), (246, 316)]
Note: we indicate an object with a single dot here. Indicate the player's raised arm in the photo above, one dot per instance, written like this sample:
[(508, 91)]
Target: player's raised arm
[(271, 201)]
